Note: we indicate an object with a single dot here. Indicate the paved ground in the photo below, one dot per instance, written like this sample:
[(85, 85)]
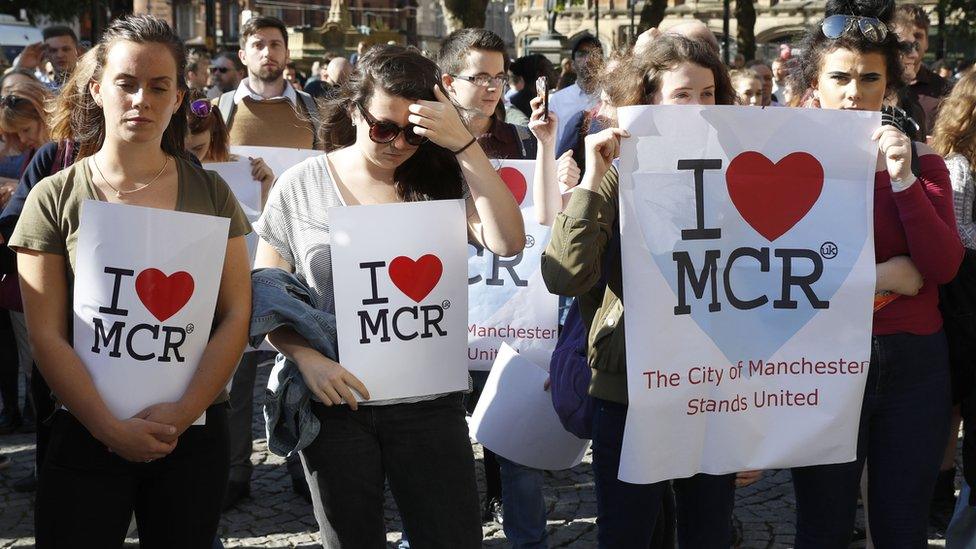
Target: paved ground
[(275, 517)]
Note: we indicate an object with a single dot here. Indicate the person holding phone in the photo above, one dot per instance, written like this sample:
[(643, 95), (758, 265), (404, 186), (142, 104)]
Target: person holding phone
[(60, 47)]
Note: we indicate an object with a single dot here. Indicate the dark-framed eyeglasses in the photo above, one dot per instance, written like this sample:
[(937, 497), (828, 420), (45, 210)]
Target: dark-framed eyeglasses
[(201, 108), (221, 70), (871, 28), (383, 132), (482, 80)]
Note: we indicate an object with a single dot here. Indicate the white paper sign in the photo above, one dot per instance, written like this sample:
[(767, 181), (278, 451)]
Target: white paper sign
[(515, 419), (401, 296), (237, 174), (278, 159), (146, 285), (508, 300), (748, 263)]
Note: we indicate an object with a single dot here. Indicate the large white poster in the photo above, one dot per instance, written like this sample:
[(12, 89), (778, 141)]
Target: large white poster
[(508, 300), (401, 296), (748, 262), (146, 283)]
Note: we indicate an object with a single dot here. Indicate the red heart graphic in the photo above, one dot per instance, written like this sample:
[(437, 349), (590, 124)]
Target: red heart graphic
[(772, 198), (416, 279), (515, 182), (163, 295)]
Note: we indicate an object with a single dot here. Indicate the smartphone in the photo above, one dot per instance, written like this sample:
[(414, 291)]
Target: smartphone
[(542, 89)]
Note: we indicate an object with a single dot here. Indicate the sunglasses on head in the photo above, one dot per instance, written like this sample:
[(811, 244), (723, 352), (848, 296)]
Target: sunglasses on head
[(871, 28), (383, 132), (11, 100), (201, 108)]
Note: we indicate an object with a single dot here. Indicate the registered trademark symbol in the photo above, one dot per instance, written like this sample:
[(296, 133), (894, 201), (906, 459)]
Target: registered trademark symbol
[(529, 241), (446, 304), (189, 328), (828, 250)]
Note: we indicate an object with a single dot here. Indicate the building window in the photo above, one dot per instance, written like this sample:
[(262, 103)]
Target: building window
[(231, 21), (183, 19)]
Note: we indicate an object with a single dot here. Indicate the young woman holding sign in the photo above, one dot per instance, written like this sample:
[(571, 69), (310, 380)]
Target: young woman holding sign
[(392, 136), (127, 113), (852, 60), (673, 70)]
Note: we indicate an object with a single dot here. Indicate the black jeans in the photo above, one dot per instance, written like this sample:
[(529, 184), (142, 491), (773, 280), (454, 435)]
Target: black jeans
[(421, 448), (9, 366), (627, 513), (86, 495), (904, 424)]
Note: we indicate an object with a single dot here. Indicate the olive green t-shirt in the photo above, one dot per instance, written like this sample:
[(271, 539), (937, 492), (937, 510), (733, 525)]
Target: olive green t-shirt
[(52, 213)]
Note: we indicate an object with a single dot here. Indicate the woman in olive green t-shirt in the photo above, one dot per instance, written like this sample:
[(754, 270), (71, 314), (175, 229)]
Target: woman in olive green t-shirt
[(126, 107)]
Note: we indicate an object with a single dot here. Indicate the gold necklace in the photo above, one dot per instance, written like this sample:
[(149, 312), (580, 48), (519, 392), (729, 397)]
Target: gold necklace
[(118, 192)]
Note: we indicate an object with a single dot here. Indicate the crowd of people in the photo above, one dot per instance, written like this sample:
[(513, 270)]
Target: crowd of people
[(131, 120)]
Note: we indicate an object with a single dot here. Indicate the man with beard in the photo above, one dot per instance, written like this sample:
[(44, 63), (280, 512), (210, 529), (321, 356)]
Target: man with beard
[(265, 110), (587, 57)]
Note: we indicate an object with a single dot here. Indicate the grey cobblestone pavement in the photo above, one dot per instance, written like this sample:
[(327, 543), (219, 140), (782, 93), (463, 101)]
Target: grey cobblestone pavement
[(274, 516)]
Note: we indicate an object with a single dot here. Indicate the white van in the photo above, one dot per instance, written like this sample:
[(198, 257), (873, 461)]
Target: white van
[(15, 35)]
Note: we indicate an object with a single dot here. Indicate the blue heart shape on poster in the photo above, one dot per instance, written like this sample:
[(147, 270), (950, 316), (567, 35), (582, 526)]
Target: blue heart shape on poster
[(749, 317)]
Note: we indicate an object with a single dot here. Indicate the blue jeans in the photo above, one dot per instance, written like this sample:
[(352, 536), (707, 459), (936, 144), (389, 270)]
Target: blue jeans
[(422, 449), (961, 533), (904, 424), (523, 506), (627, 513)]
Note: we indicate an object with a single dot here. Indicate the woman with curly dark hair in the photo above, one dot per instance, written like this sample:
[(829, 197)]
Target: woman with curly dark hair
[(852, 60)]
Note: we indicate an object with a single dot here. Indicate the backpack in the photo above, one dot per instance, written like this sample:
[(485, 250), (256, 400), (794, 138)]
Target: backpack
[(228, 107), (569, 376)]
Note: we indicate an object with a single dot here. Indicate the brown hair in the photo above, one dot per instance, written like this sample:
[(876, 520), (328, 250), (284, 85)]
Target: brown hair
[(432, 172), (955, 126), (915, 14), (213, 124), (255, 24), (25, 103), (76, 113), (638, 76)]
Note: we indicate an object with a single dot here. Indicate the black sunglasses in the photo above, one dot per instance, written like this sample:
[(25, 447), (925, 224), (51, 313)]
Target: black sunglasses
[(871, 28), (909, 46), (385, 132), (221, 70)]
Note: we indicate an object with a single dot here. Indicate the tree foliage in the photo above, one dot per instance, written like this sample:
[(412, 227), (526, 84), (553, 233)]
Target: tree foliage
[(651, 14), (745, 18), (465, 13)]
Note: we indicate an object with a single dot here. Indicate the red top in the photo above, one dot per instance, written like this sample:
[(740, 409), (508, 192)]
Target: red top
[(917, 222)]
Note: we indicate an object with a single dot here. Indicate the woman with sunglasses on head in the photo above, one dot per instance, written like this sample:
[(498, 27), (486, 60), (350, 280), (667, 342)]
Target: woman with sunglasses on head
[(583, 260), (392, 136), (127, 113), (208, 141), (853, 61)]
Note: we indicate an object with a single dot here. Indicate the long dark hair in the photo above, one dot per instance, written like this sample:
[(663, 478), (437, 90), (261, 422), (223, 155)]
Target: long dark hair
[(77, 107), (805, 68), (432, 172)]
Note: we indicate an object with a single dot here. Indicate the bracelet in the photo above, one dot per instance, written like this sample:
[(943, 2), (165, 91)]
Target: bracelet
[(461, 150)]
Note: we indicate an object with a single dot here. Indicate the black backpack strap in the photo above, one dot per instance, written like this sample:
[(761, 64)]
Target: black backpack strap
[(527, 142), (226, 106)]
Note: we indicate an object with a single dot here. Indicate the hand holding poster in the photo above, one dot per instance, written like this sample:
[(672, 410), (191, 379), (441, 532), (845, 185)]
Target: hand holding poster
[(515, 419), (403, 301), (748, 261), (278, 159), (508, 300), (143, 304)]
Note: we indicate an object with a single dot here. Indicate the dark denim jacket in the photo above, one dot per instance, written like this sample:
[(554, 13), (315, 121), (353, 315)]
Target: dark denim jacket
[(280, 298)]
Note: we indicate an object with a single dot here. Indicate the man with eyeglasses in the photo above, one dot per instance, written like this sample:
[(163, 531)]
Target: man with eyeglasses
[(929, 88), (226, 72), (586, 55), (60, 48)]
